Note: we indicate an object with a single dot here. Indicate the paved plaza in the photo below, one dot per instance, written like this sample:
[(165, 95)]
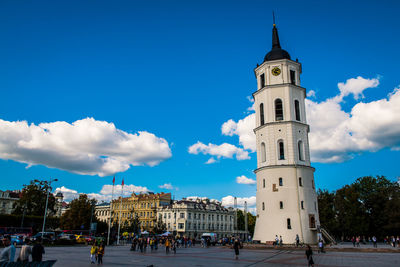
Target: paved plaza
[(216, 256)]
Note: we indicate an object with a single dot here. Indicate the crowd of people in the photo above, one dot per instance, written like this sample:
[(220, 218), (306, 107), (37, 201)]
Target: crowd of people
[(30, 251), (392, 240)]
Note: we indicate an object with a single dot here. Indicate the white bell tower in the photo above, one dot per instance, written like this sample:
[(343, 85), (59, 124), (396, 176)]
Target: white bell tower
[(286, 197)]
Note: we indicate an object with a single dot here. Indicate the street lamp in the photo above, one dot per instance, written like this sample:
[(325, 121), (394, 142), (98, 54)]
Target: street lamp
[(47, 201)]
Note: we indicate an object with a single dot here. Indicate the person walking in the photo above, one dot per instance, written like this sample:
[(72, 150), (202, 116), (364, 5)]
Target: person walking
[(297, 240), (358, 241), (321, 246), (309, 255), (167, 246), (26, 250), (8, 253), (37, 250), (353, 240), (93, 253), (236, 247), (374, 241), (276, 240), (100, 254), (280, 240)]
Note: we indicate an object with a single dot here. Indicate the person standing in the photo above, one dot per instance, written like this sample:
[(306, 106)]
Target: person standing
[(93, 252), (8, 253), (37, 250), (320, 246), (236, 247), (297, 240), (280, 240), (358, 241), (26, 250), (100, 254), (309, 255)]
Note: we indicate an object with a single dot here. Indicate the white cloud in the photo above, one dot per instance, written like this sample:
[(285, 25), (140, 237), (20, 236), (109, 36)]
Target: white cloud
[(356, 86), (85, 146), (68, 194), (105, 193), (337, 135), (128, 189), (210, 161), (244, 129), (168, 186), (224, 150), (229, 201), (311, 93), (244, 180)]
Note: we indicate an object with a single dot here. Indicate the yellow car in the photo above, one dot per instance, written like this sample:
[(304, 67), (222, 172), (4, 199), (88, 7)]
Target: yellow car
[(80, 239)]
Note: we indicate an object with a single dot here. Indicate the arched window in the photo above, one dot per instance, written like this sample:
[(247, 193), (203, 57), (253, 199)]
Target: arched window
[(261, 114), (281, 150), (278, 110), (280, 181), (300, 150), (297, 109), (263, 206), (263, 153), (300, 182)]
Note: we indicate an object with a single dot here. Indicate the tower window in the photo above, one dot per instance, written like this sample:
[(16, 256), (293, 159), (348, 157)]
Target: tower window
[(315, 206), (281, 205), (263, 183), (262, 80), (302, 205), (262, 114), (289, 226), (312, 184), (281, 150), (263, 152), (297, 109), (263, 206), (300, 182), (300, 150), (278, 110), (280, 181), (293, 77)]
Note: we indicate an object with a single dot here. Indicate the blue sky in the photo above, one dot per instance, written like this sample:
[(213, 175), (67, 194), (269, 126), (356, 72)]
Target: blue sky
[(179, 70)]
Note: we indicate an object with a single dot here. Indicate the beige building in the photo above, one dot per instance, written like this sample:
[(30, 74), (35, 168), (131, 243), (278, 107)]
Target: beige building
[(143, 206), (286, 196), (103, 212), (7, 200), (192, 218)]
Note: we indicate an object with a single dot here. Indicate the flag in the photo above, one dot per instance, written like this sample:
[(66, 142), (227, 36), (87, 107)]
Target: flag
[(122, 182), (114, 180)]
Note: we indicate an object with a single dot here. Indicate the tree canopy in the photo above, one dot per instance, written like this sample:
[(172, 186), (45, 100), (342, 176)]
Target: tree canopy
[(33, 199), (369, 206), (77, 217)]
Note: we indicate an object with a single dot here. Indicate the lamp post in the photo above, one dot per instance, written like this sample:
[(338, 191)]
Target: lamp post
[(47, 201)]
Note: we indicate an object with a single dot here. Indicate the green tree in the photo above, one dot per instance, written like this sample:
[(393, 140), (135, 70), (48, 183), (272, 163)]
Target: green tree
[(159, 227), (79, 214), (33, 199), (327, 212)]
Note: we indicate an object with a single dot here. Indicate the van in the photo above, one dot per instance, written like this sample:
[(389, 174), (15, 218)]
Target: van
[(211, 236)]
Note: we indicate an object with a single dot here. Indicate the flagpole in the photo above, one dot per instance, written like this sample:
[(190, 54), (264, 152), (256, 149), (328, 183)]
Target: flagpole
[(109, 219), (120, 211)]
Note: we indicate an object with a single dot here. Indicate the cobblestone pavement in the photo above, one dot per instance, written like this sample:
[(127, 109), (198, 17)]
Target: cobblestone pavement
[(216, 256)]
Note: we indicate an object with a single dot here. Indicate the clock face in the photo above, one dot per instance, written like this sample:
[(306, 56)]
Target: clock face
[(276, 71)]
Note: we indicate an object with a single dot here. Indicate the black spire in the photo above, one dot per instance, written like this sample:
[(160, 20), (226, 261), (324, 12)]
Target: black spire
[(276, 52)]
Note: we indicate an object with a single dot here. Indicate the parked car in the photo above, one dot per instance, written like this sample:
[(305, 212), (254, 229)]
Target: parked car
[(65, 236), (47, 237)]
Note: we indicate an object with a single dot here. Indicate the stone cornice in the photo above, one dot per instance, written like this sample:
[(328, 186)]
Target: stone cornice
[(284, 166), (279, 85), (281, 122)]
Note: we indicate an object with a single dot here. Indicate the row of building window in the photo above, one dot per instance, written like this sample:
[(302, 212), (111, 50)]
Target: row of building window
[(281, 151), (280, 180), (279, 111), (301, 205), (198, 216), (130, 214), (131, 206), (203, 226)]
